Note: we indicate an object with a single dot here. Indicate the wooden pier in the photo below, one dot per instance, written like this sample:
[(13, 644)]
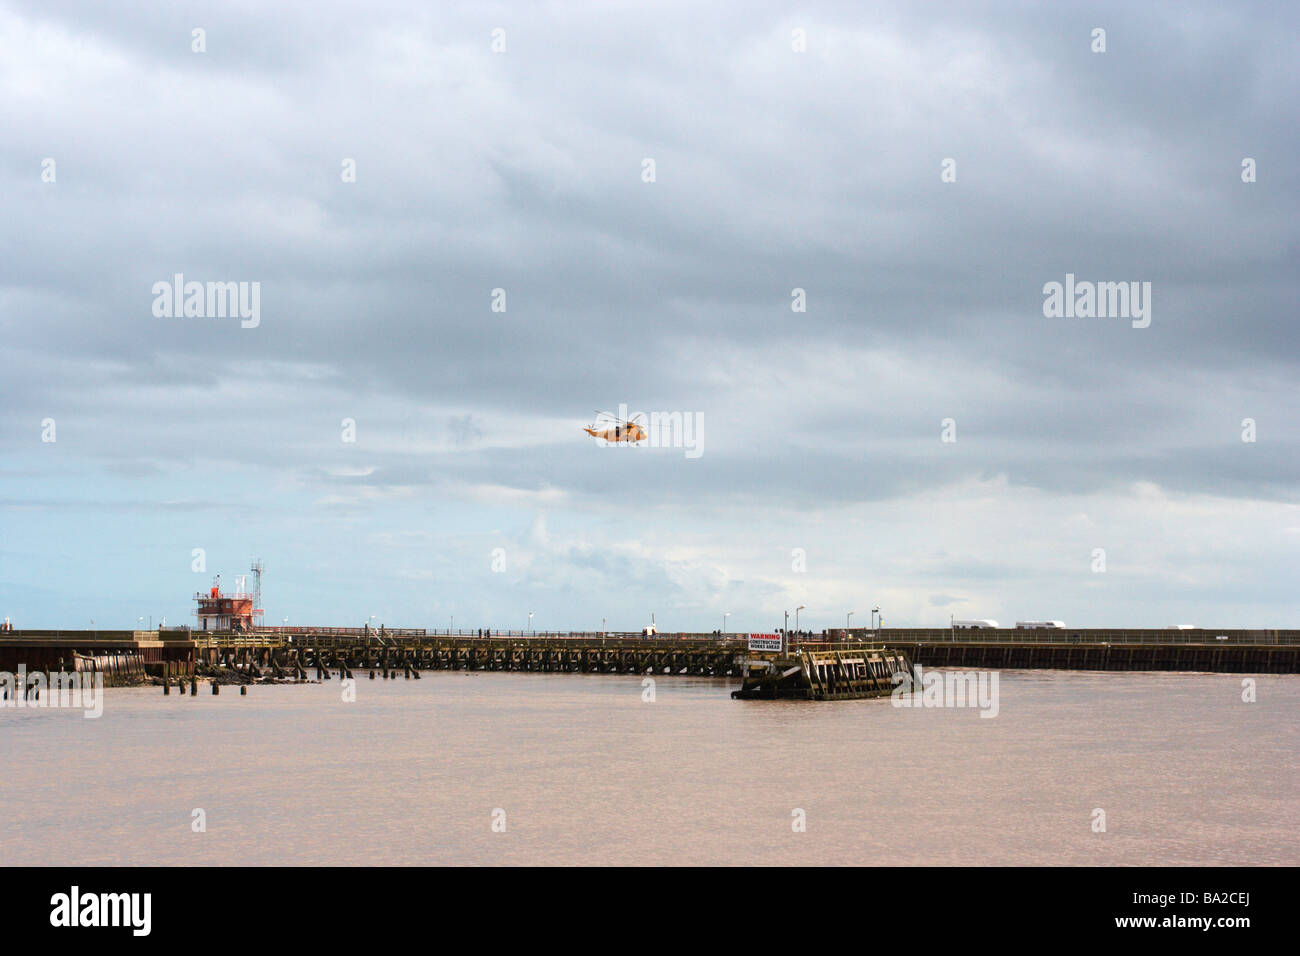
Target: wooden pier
[(701, 658), (1089, 656), (261, 654), (298, 653)]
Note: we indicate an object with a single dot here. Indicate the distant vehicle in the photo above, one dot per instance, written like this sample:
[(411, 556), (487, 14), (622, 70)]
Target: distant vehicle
[(612, 429), (1181, 627), (982, 622), (1057, 625), (1221, 637)]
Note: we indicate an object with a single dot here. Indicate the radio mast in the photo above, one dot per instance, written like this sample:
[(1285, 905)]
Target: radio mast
[(259, 615)]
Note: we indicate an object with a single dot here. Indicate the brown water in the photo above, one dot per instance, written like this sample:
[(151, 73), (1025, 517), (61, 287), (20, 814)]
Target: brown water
[(587, 772)]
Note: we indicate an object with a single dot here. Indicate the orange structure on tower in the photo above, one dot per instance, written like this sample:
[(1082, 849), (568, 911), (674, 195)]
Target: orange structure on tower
[(230, 612)]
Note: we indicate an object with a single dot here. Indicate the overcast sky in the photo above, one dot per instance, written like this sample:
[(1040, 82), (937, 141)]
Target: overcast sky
[(821, 476)]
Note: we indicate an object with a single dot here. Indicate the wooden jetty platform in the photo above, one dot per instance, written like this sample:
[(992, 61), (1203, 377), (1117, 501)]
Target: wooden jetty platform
[(1089, 656), (327, 650), (1220, 650), (288, 653), (816, 671)]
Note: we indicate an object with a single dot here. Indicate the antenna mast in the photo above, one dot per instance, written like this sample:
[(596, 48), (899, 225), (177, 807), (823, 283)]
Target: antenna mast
[(259, 615)]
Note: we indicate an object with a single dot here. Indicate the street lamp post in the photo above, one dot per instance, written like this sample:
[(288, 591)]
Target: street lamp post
[(725, 615), (874, 612), (801, 607), (530, 622), (785, 634), (848, 619)]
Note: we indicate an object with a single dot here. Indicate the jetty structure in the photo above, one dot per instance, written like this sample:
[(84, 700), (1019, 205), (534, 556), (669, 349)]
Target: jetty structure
[(279, 652), (231, 638)]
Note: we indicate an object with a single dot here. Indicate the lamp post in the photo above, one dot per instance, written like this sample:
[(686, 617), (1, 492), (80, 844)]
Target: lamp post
[(801, 607), (874, 612), (847, 623), (785, 635), (530, 622), (725, 615)]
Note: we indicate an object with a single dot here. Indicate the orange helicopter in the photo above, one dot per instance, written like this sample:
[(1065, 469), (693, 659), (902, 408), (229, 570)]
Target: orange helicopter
[(611, 428)]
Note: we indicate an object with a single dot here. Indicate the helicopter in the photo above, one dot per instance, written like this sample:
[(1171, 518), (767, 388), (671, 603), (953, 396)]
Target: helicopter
[(611, 428)]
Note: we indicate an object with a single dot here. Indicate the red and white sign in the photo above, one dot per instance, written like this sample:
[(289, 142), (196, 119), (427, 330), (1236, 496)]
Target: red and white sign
[(765, 642)]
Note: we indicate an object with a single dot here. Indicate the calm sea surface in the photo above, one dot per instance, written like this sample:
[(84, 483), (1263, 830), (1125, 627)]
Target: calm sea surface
[(586, 772)]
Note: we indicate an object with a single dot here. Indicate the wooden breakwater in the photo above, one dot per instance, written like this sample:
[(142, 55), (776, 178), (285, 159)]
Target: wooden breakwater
[(305, 653), (817, 671), (1239, 658), (283, 653), (117, 656), (1268, 652), (323, 653)]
